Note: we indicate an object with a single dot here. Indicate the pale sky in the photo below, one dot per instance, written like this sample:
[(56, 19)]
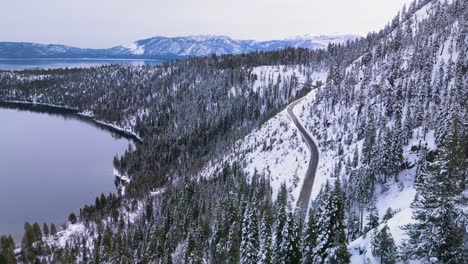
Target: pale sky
[(107, 23)]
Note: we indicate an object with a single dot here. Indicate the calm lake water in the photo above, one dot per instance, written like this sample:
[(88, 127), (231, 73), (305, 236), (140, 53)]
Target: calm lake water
[(21, 64), (51, 165)]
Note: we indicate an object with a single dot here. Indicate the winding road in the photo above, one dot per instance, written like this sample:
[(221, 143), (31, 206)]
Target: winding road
[(304, 196)]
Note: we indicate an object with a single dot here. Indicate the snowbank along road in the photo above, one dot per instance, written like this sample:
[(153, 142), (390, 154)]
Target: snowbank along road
[(304, 196)]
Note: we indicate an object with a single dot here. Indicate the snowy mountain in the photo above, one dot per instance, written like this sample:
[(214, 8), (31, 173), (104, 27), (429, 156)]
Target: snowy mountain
[(203, 45), (17, 50), (306, 41), (182, 46), (165, 47)]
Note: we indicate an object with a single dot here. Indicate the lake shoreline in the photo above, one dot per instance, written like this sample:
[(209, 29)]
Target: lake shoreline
[(66, 111)]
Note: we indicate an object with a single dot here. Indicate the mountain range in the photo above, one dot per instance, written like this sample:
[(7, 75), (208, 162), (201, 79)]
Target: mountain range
[(168, 47)]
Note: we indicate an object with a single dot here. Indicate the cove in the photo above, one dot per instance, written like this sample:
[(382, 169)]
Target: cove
[(52, 162)]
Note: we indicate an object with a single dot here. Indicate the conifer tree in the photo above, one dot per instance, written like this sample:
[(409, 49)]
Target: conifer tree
[(53, 230), (291, 242), (332, 245), (250, 240), (384, 247), (309, 241), (281, 221), (372, 217), (234, 243), (45, 228), (7, 250), (337, 251), (266, 253)]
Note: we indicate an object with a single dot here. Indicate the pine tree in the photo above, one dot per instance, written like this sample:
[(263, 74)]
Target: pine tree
[(289, 251), (338, 251), (323, 221), (53, 230), (234, 243), (369, 139), (266, 253), (281, 221), (384, 247), (372, 217), (194, 252), (397, 144), (45, 228), (37, 232), (388, 214), (7, 250), (332, 245), (408, 127), (309, 242), (250, 241)]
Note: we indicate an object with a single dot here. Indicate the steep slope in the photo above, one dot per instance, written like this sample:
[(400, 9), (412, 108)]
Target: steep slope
[(375, 120), (379, 117)]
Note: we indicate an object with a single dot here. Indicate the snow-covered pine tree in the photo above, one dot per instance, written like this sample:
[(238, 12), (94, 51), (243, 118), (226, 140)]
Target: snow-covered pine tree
[(383, 246), (266, 254), (338, 251), (233, 243), (250, 240), (331, 239), (373, 216), (290, 247), (309, 241), (281, 221)]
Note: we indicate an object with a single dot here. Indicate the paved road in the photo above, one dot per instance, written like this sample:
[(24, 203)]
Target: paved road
[(304, 196)]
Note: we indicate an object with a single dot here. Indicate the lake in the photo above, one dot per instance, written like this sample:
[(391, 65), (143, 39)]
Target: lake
[(51, 165), (21, 64)]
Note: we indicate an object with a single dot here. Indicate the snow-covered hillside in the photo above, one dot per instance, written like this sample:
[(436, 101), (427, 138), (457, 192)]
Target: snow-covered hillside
[(276, 149), (203, 45), (382, 91)]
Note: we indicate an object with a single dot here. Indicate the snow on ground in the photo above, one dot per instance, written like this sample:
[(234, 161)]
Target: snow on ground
[(134, 48), (397, 195), (276, 149), (284, 74), (361, 250)]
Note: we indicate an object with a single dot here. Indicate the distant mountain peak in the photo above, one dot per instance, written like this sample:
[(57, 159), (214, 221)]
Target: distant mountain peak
[(161, 46)]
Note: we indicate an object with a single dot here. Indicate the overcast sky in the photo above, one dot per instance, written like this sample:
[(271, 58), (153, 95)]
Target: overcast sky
[(106, 23)]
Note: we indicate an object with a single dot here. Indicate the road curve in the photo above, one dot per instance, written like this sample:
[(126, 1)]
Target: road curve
[(304, 196)]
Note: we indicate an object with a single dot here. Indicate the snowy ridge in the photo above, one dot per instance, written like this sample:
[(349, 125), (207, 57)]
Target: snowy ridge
[(168, 47), (134, 48)]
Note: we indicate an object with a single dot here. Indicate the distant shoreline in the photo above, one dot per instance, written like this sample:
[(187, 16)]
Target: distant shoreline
[(65, 111)]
